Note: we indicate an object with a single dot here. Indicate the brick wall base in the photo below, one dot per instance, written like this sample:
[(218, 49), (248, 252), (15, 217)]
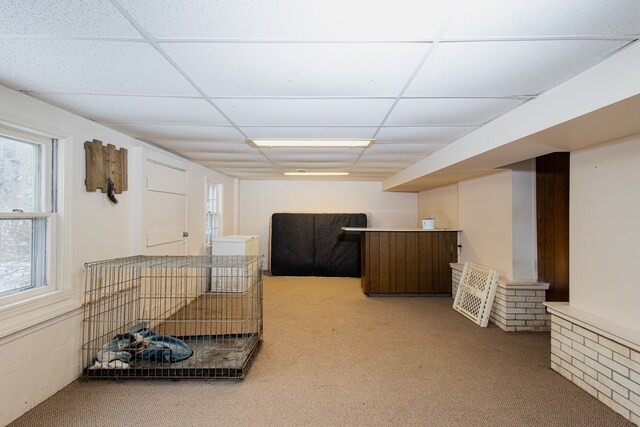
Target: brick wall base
[(517, 306), (604, 368)]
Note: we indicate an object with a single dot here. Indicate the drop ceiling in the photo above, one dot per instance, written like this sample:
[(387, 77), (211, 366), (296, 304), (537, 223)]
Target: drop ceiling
[(200, 77)]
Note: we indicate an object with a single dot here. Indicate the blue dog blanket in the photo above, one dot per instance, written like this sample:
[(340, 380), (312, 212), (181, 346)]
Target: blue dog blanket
[(145, 344)]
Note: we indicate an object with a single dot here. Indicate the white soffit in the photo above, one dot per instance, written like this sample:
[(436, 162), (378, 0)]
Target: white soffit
[(506, 68), (592, 95), (306, 112), (138, 108), (298, 69)]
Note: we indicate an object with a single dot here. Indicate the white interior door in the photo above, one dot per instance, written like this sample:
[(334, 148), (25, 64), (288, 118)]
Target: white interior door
[(165, 209)]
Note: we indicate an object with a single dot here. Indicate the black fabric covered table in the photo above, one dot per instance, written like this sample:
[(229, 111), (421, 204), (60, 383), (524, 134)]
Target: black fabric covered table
[(315, 244)]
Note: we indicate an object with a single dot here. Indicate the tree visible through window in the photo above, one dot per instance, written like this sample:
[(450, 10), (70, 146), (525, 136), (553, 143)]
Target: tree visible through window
[(24, 213), (212, 214)]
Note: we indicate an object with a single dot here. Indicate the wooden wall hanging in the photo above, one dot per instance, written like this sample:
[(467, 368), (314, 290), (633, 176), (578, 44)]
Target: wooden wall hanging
[(106, 168)]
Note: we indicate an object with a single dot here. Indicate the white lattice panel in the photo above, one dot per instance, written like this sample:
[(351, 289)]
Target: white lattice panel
[(476, 292)]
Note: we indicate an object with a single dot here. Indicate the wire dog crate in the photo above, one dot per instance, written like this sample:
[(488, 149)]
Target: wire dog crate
[(171, 317)]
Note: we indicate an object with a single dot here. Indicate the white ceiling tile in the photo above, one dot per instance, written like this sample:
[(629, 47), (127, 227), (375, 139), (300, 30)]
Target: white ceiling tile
[(260, 169), (373, 171), (370, 174), (364, 177), (508, 18), (81, 66), (475, 111), (298, 69), (238, 164), (439, 134), (239, 49), (506, 68), (392, 167), (306, 112), (217, 157), (252, 173), (137, 108), (255, 175), (206, 146), (313, 158), (417, 149), (63, 18), (326, 166), (386, 161), (155, 132), (309, 132), (399, 158), (328, 19), (379, 164), (294, 151)]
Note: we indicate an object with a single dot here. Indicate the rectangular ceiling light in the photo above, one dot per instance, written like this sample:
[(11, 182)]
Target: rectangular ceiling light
[(311, 143), (316, 173)]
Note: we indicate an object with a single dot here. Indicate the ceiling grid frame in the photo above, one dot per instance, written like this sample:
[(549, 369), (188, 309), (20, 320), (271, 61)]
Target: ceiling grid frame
[(404, 135), (144, 33)]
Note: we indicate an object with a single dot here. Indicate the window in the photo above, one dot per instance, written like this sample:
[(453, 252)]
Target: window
[(212, 214), (27, 205)]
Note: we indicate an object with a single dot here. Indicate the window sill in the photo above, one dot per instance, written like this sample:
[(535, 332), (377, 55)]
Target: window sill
[(27, 312)]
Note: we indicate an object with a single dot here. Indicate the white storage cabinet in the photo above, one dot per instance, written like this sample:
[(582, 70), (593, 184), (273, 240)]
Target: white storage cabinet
[(235, 279), (236, 245)]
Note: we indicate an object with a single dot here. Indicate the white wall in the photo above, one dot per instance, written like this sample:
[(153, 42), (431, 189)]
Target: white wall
[(604, 263), (40, 349), (497, 216), (441, 204), (260, 199), (524, 239), (485, 217)]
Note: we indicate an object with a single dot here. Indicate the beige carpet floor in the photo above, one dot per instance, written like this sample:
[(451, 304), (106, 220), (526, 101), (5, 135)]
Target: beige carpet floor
[(332, 357)]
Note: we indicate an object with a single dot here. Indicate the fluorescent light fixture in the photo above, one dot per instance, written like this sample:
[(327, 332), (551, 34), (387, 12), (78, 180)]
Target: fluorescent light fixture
[(316, 173), (312, 143)]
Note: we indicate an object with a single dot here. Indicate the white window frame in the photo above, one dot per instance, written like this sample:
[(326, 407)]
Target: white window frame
[(216, 213), (26, 308)]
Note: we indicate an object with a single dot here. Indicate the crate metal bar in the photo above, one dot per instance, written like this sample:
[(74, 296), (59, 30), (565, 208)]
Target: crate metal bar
[(213, 304)]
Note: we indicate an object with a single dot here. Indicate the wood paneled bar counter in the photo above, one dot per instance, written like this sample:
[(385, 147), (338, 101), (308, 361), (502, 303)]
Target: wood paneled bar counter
[(406, 261)]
